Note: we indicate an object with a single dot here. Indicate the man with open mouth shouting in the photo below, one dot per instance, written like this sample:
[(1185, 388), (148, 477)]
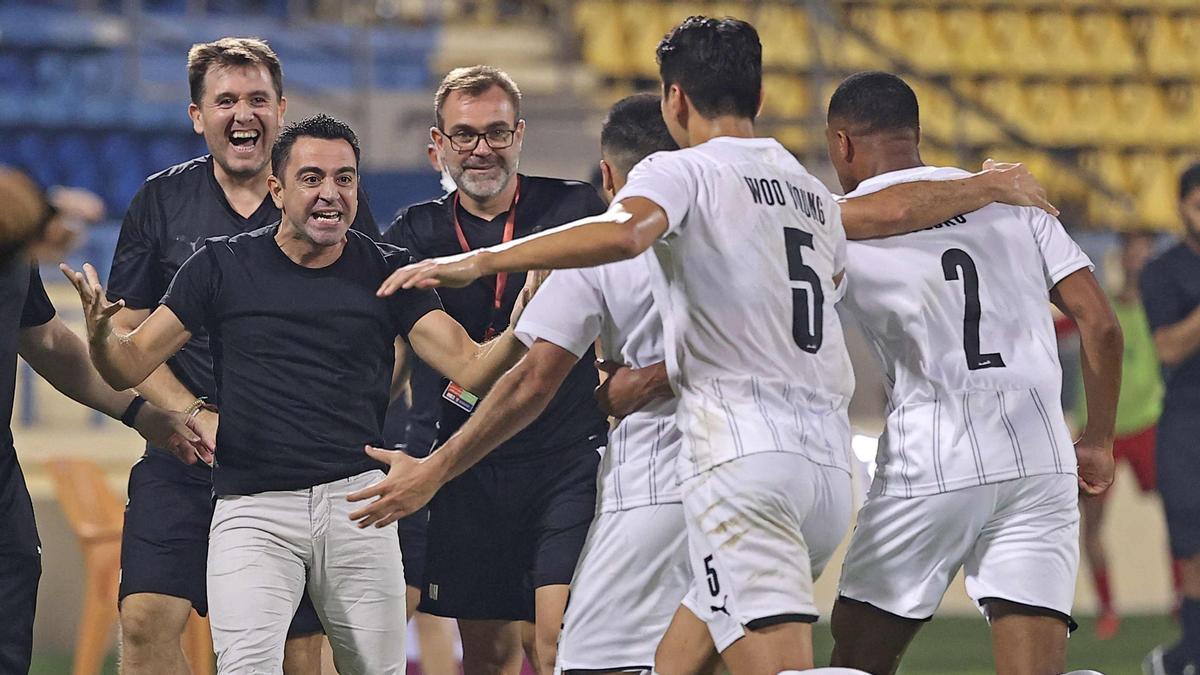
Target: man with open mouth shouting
[(238, 106)]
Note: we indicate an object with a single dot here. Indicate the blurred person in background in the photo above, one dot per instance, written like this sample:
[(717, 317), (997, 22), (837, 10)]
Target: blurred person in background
[(1170, 288), (1138, 409), (29, 326), (237, 104)]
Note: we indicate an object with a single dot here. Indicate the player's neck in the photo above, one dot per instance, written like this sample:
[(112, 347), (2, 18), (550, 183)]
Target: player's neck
[(244, 193), (896, 159), (704, 129), (303, 251), (489, 207)]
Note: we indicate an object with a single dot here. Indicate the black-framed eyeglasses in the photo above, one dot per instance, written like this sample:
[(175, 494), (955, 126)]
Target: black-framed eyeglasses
[(467, 141)]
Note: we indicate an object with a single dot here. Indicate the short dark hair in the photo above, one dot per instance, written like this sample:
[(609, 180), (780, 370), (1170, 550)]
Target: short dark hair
[(317, 126), (473, 81), (875, 101), (717, 62), (1189, 180), (231, 52), (633, 130)]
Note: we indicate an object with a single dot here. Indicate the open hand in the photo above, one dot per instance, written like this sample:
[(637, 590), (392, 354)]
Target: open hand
[(452, 271), (407, 487), (1016, 185), (97, 311)]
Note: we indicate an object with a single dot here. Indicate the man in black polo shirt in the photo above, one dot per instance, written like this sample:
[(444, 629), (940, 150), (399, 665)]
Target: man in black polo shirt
[(28, 326), (1170, 287), (303, 353), (238, 105), (504, 537)]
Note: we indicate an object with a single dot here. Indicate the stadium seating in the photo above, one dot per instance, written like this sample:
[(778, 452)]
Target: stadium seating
[(1072, 79), (76, 86)]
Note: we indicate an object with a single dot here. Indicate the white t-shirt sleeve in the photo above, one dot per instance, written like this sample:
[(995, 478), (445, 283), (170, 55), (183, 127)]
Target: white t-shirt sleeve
[(1060, 254), (667, 179), (567, 311)]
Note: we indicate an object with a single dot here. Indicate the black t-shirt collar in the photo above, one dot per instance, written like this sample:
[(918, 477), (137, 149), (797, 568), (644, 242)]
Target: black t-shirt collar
[(259, 215)]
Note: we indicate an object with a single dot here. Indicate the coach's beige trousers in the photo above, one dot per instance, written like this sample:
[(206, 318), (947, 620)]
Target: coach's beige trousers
[(265, 548)]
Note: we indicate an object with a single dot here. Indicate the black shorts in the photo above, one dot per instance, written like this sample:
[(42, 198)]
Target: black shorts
[(164, 544), (412, 530), (1177, 455), (501, 530), (20, 571)]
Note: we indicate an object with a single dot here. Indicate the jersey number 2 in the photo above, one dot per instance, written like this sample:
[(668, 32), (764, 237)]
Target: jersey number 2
[(955, 261), (807, 299)]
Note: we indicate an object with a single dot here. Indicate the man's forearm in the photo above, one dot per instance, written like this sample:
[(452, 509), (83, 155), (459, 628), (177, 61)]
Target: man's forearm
[(492, 359), (515, 402), (1102, 347), (909, 207), (118, 360), (61, 357), (584, 243), (1178, 342)]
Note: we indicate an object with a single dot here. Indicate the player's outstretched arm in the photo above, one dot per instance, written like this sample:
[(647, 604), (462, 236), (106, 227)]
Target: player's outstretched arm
[(516, 401), (1080, 297), (909, 207), (59, 356), (124, 359), (627, 390), (628, 228)]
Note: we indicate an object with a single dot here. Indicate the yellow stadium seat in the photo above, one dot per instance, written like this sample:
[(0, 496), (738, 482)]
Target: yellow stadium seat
[(925, 40), (645, 22), (603, 36), (1057, 38), (975, 128), (979, 54), (1140, 113), (1052, 115), (1011, 33), (1007, 99), (1172, 44), (1108, 41), (845, 51), (1093, 111), (1154, 186), (1110, 167), (937, 154), (1182, 110), (786, 97), (939, 119), (787, 38)]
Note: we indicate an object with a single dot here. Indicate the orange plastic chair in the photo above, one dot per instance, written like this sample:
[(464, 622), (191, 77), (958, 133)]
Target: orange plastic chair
[(96, 515)]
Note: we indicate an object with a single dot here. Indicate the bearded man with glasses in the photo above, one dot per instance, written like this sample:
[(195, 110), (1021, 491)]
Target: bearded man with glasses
[(503, 537)]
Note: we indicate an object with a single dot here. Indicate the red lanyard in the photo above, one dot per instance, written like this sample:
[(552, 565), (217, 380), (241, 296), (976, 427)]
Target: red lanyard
[(509, 226)]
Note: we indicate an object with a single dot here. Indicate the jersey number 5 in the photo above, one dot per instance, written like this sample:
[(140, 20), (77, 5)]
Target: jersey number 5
[(808, 300), (955, 261)]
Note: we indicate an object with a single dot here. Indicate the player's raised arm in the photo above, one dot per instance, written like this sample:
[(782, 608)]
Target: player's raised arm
[(624, 231), (909, 207), (124, 359)]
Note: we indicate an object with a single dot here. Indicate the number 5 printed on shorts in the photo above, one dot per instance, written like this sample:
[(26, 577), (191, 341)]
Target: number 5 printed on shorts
[(714, 587)]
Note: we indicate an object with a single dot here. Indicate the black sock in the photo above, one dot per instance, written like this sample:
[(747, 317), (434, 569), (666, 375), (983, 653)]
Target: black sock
[(1187, 650)]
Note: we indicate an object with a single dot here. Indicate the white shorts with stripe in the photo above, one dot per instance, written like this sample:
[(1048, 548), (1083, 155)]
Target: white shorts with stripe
[(1017, 541)]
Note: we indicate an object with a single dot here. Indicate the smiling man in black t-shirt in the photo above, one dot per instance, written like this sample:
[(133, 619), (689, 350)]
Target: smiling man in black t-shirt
[(503, 537), (303, 355), (237, 105)]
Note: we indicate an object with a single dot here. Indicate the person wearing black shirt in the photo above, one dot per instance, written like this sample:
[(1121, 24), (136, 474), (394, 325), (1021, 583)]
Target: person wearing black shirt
[(1170, 287), (237, 104), (303, 355), (510, 529), (29, 327)]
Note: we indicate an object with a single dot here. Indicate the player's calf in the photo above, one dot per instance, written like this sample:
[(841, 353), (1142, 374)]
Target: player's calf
[(151, 628), (1027, 640), (869, 638)]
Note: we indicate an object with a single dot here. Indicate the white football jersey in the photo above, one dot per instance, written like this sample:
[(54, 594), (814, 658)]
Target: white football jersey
[(613, 303), (959, 316), (745, 286)]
